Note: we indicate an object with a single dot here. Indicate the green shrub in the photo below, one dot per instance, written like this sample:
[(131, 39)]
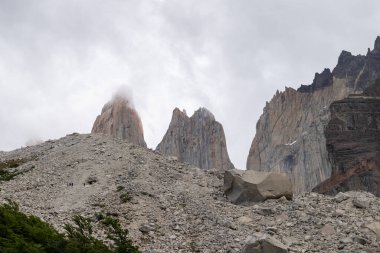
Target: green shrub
[(125, 197), (119, 236), (23, 233), (99, 216), (5, 173), (119, 188)]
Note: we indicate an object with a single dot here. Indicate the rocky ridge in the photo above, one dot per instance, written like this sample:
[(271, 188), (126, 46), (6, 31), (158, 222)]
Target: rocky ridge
[(198, 140), (119, 119), (353, 143), (169, 206), (290, 132)]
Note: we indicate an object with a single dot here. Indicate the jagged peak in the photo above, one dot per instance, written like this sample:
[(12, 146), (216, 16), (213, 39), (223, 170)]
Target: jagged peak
[(320, 81), (204, 113), (343, 56), (376, 47), (180, 113)]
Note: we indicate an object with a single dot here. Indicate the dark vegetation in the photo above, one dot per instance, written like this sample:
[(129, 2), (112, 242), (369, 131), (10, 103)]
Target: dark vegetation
[(125, 197), (6, 172), (23, 233)]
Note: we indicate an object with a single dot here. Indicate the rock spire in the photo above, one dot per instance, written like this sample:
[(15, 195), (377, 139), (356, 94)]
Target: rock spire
[(198, 140), (119, 119)]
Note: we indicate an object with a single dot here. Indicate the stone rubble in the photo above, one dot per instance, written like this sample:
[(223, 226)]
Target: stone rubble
[(169, 206)]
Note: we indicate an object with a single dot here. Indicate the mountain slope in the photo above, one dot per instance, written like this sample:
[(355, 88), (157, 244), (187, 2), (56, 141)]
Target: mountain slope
[(170, 206)]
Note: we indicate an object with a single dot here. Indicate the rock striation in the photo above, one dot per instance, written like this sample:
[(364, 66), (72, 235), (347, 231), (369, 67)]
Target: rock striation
[(353, 143), (290, 132), (120, 120), (198, 140)]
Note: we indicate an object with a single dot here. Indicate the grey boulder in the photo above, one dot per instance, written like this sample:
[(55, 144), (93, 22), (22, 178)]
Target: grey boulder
[(244, 187), (263, 244)]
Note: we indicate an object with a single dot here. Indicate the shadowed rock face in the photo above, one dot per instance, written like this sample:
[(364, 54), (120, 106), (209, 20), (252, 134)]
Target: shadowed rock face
[(353, 143), (320, 81), (290, 132), (198, 140), (119, 119)]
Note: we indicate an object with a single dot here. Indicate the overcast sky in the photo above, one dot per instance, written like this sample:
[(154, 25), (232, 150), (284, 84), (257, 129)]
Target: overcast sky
[(61, 61)]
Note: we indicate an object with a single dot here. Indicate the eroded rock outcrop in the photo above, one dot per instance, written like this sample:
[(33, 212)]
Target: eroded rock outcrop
[(198, 140), (245, 187), (119, 119), (290, 132), (353, 143)]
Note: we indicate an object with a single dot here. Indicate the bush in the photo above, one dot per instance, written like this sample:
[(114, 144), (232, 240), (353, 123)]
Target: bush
[(119, 188), (125, 197), (5, 173), (22, 233)]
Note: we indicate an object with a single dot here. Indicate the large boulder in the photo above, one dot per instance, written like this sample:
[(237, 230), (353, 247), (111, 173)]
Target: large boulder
[(375, 228), (244, 187), (120, 119), (263, 244)]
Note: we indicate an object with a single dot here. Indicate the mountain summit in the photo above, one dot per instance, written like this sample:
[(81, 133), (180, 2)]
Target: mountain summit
[(119, 119), (198, 140)]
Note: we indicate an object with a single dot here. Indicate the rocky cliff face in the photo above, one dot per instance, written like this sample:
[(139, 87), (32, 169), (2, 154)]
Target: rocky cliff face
[(119, 119), (198, 140), (353, 143), (290, 132)]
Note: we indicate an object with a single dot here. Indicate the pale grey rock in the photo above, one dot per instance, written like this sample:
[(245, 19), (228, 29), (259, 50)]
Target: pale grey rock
[(243, 187), (264, 244), (361, 203), (265, 210), (341, 197), (328, 230), (374, 227), (146, 228)]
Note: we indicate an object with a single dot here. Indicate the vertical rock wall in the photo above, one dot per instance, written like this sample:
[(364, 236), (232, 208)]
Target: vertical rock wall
[(353, 144), (290, 132)]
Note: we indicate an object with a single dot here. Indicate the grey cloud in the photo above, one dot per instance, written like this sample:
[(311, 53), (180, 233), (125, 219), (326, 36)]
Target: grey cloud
[(62, 60)]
